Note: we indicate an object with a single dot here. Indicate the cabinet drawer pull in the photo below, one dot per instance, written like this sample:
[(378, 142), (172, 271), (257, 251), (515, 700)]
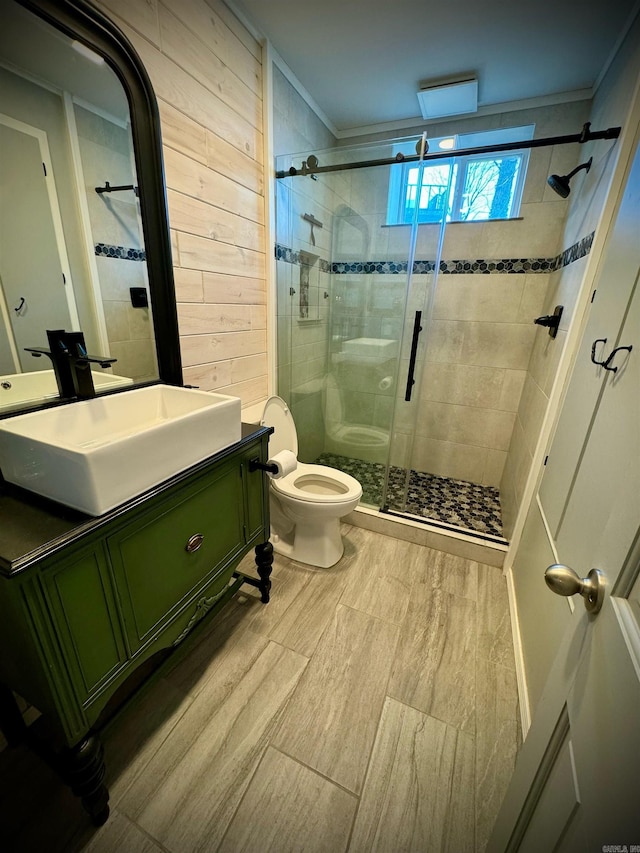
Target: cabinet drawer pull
[(194, 542)]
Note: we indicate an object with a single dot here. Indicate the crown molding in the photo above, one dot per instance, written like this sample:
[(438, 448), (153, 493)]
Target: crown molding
[(614, 50), (248, 24), (282, 66)]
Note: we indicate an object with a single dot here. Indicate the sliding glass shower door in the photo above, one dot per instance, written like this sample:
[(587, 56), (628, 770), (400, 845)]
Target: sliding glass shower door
[(452, 428), (378, 342), (404, 336), (343, 290)]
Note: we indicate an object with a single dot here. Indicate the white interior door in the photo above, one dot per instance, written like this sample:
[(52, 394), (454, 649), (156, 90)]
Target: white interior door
[(34, 271), (575, 784)]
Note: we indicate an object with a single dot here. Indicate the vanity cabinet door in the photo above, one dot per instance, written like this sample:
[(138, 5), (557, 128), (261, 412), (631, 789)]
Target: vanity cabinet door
[(82, 606), (257, 511), (170, 552)]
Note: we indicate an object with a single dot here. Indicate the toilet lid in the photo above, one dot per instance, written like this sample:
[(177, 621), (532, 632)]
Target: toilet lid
[(277, 415)]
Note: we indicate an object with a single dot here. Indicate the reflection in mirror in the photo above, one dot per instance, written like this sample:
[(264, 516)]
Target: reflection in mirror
[(70, 257)]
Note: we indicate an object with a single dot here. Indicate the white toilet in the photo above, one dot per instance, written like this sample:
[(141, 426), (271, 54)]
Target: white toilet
[(306, 505), (356, 441)]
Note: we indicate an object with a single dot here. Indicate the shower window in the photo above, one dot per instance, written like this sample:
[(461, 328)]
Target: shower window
[(432, 195), (466, 189)]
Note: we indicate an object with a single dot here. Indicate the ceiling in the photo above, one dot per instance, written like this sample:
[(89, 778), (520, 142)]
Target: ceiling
[(363, 62), (28, 45)]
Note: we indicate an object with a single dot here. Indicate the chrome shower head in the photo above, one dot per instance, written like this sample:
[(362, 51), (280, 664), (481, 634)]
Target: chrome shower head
[(560, 183)]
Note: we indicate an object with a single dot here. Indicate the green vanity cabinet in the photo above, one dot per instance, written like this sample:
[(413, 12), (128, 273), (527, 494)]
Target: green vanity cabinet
[(83, 602), (81, 615), (163, 558)]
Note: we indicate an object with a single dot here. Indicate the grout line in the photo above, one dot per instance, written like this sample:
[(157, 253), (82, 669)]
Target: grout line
[(314, 770), (432, 716), (372, 615), (144, 832), (365, 775), (366, 771), (244, 794)]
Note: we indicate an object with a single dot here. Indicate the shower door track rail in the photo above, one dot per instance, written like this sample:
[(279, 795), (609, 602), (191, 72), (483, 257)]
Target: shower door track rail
[(442, 525), (587, 135)]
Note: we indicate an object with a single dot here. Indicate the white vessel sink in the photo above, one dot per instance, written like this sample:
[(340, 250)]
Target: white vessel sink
[(39, 386), (96, 454)]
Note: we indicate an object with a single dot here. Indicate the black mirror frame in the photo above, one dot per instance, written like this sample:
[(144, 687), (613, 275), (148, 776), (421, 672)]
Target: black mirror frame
[(83, 22)]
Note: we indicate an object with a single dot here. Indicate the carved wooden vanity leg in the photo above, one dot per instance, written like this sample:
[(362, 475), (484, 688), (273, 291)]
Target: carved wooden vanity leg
[(264, 561), (12, 725), (82, 768)]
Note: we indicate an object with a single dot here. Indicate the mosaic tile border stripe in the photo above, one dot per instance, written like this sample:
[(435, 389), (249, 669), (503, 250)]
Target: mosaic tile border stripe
[(122, 252), (575, 252), (511, 266), (283, 253), (453, 267)]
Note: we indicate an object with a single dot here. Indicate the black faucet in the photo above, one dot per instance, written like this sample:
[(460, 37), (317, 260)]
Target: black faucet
[(71, 363)]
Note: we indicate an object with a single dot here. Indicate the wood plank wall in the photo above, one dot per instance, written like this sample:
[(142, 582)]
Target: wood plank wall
[(206, 71)]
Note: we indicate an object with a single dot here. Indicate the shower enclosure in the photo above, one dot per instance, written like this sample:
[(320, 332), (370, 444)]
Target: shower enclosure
[(404, 336)]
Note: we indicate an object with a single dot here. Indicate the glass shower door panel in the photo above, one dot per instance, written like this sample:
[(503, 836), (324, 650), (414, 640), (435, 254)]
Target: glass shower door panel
[(451, 439), (303, 258), (403, 494), (284, 286), (368, 293)]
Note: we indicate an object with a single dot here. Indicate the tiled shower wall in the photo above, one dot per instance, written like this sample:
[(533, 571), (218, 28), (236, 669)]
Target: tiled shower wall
[(469, 414), (482, 330), (563, 289), (488, 369)]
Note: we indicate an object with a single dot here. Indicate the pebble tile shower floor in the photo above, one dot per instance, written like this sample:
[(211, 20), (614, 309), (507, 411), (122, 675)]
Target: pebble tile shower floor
[(456, 502)]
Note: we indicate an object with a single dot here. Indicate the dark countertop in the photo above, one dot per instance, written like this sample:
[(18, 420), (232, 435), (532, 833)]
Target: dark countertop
[(32, 527)]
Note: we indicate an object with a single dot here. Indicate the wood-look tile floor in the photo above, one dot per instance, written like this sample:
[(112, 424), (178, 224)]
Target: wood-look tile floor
[(368, 707)]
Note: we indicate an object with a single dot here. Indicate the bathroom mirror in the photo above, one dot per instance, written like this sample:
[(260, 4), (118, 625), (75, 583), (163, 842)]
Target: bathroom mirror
[(77, 114)]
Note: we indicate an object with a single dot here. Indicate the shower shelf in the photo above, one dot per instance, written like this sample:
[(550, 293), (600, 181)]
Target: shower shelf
[(381, 349)]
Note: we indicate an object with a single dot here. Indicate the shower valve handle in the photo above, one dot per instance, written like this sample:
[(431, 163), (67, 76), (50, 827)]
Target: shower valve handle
[(551, 321)]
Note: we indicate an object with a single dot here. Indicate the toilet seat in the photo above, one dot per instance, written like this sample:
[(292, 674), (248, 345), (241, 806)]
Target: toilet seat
[(318, 484)]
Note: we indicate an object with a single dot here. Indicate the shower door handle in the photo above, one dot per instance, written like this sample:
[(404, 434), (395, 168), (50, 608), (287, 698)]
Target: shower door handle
[(417, 328)]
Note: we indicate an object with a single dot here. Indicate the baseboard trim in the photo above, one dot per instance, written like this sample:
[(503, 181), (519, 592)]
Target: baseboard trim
[(521, 676)]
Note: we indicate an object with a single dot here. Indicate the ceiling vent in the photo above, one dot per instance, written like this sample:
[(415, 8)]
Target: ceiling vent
[(450, 97)]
